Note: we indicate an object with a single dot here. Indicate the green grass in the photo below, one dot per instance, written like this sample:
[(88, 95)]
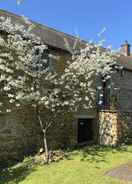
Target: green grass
[(83, 166)]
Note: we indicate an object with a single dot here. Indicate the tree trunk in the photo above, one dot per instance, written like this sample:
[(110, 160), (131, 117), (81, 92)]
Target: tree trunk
[(46, 158), (45, 145)]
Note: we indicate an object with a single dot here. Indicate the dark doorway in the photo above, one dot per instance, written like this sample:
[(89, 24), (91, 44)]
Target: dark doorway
[(85, 130)]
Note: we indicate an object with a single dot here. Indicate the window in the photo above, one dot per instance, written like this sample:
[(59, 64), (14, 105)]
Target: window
[(45, 59), (104, 95), (52, 62), (40, 61)]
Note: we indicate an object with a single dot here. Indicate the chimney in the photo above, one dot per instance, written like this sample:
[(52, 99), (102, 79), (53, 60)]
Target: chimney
[(125, 49)]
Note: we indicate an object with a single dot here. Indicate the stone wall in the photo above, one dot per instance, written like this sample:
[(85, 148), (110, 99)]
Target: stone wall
[(108, 128), (123, 90), (20, 135), (115, 127), (125, 127)]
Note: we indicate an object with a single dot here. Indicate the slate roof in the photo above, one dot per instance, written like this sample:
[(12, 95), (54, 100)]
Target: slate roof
[(56, 39), (49, 36)]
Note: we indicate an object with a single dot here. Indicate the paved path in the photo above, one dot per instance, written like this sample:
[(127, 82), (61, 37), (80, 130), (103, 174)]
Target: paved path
[(123, 172)]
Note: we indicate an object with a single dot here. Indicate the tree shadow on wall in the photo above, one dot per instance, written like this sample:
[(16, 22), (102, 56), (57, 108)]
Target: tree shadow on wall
[(17, 173)]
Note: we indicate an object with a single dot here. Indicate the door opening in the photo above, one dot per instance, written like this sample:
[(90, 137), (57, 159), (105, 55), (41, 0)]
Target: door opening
[(85, 130)]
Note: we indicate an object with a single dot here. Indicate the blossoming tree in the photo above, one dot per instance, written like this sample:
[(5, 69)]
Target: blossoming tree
[(89, 68), (23, 66), (26, 78)]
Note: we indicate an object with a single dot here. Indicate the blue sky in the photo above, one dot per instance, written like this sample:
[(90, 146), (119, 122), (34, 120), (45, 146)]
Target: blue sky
[(85, 18)]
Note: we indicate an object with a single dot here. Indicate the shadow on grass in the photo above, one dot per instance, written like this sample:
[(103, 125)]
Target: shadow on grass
[(97, 153), (18, 173), (91, 153)]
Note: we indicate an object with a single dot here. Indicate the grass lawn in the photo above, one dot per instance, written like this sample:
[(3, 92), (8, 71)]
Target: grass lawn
[(83, 166)]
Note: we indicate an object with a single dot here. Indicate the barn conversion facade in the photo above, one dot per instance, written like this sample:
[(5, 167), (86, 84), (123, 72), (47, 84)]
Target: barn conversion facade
[(107, 124)]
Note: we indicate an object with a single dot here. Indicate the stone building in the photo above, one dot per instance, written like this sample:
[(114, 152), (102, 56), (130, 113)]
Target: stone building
[(107, 125)]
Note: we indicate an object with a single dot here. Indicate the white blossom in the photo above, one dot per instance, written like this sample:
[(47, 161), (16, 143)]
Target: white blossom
[(11, 100), (8, 110), (6, 88)]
